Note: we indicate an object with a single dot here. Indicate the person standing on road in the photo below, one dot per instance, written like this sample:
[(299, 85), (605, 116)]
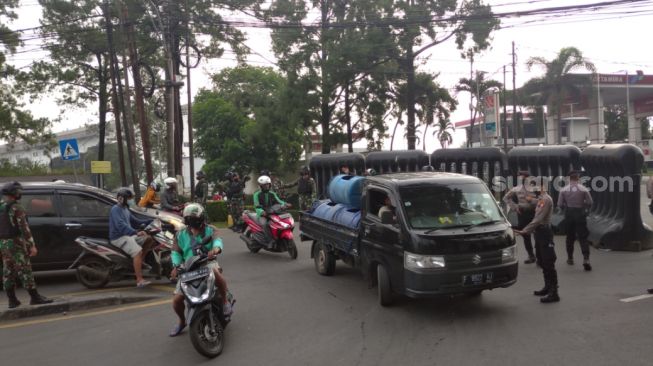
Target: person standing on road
[(306, 188), (123, 235), (525, 208), (576, 201), (16, 247), (169, 197), (236, 199), (201, 188), (541, 226)]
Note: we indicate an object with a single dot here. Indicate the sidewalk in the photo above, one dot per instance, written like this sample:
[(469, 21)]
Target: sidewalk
[(84, 300)]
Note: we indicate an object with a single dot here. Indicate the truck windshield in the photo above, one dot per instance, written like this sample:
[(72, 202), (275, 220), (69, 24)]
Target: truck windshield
[(447, 206)]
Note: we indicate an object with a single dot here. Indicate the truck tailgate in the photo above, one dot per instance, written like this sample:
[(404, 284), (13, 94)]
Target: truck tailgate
[(327, 232)]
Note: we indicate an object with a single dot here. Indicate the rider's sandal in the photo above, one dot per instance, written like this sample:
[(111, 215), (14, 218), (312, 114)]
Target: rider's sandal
[(177, 330), (143, 283)]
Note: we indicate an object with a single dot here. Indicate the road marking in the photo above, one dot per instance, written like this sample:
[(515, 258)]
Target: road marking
[(85, 315), (636, 298)]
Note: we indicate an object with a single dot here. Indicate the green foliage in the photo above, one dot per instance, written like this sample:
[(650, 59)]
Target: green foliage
[(477, 87), (241, 125), (217, 211), (617, 122)]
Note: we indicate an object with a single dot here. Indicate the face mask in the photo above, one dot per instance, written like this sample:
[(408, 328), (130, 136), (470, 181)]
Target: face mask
[(131, 203)]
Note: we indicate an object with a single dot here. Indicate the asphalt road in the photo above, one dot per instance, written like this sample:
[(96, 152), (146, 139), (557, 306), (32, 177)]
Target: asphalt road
[(287, 314)]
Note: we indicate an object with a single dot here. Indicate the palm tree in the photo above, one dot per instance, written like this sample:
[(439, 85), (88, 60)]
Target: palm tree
[(443, 132), (477, 87), (557, 83)]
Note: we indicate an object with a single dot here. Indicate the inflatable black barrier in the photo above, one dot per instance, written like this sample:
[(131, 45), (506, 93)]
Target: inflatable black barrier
[(396, 161), (485, 163), (324, 167), (545, 161), (615, 220)]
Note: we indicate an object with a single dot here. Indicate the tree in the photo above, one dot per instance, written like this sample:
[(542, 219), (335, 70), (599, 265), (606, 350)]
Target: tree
[(557, 84), (245, 124), (444, 132), (15, 123), (338, 67), (477, 87), (418, 25)]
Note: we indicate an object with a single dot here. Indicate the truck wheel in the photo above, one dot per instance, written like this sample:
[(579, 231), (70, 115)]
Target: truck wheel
[(383, 286), (325, 261)]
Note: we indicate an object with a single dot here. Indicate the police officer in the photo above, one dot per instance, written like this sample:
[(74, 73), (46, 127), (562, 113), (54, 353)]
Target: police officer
[(201, 188), (235, 195), (576, 200), (541, 226), (306, 188), (16, 246), (525, 208)]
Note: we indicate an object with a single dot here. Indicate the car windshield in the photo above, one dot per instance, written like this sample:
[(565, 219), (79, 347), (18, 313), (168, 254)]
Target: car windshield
[(448, 206)]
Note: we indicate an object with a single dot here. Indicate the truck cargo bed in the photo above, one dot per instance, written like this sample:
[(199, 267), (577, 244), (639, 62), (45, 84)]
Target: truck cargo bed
[(338, 236)]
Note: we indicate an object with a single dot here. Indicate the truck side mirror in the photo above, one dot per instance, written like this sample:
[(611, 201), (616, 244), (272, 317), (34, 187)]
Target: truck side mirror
[(387, 218)]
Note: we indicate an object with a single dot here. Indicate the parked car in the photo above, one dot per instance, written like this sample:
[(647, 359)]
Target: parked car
[(60, 212)]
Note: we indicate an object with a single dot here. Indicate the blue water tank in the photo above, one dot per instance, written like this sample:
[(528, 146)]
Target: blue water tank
[(348, 217), (317, 204), (328, 210), (347, 190)]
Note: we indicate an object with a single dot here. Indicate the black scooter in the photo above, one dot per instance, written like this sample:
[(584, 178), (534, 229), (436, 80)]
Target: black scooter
[(204, 305)]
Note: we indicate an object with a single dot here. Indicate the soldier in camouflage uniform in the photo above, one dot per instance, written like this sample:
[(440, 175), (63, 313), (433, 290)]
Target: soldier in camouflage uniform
[(235, 194), (201, 189), (306, 188), (16, 246)]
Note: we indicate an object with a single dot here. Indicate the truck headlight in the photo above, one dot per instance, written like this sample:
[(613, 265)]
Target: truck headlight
[(509, 254), (417, 261)]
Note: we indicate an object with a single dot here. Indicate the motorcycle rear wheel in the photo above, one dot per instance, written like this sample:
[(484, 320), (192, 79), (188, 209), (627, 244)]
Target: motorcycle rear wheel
[(208, 342), (91, 281), (251, 245), (291, 248)]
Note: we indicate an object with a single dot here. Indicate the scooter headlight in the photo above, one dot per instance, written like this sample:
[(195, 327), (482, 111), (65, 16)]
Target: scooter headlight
[(198, 291)]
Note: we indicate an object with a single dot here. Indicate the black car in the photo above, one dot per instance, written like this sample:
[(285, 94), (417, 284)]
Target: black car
[(60, 212)]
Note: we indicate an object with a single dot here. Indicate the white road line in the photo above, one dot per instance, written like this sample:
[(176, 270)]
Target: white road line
[(636, 298)]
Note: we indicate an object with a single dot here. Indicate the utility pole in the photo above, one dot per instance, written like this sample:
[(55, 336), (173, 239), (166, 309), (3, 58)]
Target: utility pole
[(470, 139), (114, 94), (170, 105), (138, 91), (505, 113), (191, 157), (514, 100), (129, 126)]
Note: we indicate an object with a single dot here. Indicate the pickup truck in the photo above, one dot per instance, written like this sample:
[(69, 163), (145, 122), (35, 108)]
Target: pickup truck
[(444, 234)]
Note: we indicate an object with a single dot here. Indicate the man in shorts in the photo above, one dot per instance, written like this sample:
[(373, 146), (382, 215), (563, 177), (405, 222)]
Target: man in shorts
[(123, 235)]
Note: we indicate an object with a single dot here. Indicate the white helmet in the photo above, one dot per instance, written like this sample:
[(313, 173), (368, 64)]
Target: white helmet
[(170, 181), (264, 179)]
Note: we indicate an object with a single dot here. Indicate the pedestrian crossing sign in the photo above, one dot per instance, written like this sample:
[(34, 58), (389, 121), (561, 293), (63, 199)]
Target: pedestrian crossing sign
[(69, 149)]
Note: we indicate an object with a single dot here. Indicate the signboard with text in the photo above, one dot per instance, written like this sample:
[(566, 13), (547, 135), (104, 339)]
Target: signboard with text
[(100, 167), (490, 109)]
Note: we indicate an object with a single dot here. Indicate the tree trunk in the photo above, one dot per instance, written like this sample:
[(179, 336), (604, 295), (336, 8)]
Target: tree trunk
[(394, 131), (426, 127), (350, 139), (103, 100), (410, 98), (325, 115)]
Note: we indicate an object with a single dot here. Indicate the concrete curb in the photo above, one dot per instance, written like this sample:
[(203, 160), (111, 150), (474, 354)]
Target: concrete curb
[(68, 304)]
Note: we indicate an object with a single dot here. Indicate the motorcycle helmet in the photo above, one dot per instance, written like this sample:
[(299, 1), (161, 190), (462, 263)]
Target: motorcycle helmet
[(126, 194), (12, 189), (170, 182), (200, 175), (194, 215), (155, 186), (264, 182), (304, 170)]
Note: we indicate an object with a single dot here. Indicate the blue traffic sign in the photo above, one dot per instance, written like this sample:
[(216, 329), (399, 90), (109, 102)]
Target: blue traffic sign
[(69, 149)]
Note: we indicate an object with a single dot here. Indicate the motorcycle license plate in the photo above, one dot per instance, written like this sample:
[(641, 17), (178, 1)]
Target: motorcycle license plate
[(190, 276), (478, 279)]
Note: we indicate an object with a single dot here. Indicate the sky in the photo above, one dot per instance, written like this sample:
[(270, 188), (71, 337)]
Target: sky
[(615, 40)]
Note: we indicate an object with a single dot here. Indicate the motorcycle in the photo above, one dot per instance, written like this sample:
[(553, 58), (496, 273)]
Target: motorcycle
[(281, 226), (204, 305), (101, 262)]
